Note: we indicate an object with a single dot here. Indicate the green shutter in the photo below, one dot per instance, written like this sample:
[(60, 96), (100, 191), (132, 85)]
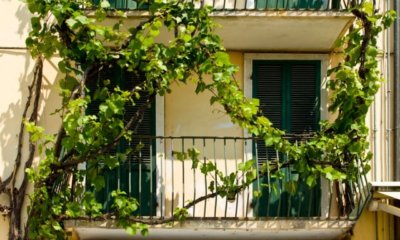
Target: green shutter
[(141, 165), (136, 175), (289, 96), (270, 94), (304, 106)]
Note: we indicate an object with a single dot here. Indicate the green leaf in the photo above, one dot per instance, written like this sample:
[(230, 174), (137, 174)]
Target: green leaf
[(180, 213), (211, 186), (257, 194), (99, 182), (105, 4), (82, 19), (144, 230), (246, 165), (194, 154), (72, 23), (131, 230), (311, 180), (291, 187)]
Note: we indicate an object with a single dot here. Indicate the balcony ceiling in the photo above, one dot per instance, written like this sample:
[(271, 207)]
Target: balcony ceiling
[(282, 31), (271, 31)]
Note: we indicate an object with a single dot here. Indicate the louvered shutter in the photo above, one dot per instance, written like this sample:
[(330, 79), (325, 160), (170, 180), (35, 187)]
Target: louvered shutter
[(139, 169), (111, 74), (288, 93), (303, 112), (136, 175), (303, 99), (267, 88), (146, 127)]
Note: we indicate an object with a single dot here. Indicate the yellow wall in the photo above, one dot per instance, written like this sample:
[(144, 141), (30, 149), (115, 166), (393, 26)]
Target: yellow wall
[(13, 96), (188, 114), (373, 226), (16, 68)]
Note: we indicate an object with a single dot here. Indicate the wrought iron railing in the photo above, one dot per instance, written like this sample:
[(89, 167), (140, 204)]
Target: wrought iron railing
[(257, 5), (162, 182)]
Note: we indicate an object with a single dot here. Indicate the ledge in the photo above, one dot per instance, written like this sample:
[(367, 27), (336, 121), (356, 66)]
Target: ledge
[(219, 230)]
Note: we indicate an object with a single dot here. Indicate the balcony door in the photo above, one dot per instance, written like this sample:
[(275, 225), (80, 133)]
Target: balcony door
[(289, 96), (137, 175)]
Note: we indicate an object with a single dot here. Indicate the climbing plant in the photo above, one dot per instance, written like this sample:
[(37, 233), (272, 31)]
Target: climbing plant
[(76, 32)]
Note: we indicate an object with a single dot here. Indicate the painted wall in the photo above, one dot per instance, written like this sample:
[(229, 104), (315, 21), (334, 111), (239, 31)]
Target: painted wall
[(13, 96), (189, 114), (16, 67), (373, 226)]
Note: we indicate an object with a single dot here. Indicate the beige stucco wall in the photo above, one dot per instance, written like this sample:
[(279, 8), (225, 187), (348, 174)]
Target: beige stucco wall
[(189, 114), (13, 97), (373, 226), (15, 25), (16, 67)]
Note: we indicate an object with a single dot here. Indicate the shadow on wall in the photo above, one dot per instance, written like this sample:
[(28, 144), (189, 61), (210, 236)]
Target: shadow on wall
[(24, 17), (15, 94), (15, 66)]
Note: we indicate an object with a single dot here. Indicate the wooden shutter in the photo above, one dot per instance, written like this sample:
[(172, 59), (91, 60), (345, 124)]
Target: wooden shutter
[(304, 102), (136, 175), (112, 74), (289, 96), (146, 127), (267, 88)]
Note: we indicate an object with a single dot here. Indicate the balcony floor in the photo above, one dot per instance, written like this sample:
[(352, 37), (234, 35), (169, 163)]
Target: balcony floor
[(220, 230)]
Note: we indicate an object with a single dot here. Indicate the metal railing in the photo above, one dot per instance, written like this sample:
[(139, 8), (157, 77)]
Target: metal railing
[(161, 182), (251, 5)]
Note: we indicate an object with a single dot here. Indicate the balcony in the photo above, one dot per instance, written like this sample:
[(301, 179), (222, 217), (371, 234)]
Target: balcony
[(258, 5), (306, 26), (162, 181)]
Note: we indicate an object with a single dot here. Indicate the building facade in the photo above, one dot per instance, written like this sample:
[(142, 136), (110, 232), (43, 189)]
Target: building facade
[(283, 50)]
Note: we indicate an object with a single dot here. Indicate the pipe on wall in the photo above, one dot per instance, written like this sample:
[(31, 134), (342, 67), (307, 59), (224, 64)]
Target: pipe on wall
[(389, 171), (396, 79)]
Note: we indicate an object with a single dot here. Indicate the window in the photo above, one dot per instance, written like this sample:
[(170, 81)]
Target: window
[(289, 96), (137, 175)]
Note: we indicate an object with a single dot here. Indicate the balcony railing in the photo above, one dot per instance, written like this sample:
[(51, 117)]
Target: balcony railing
[(251, 5), (161, 181)]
